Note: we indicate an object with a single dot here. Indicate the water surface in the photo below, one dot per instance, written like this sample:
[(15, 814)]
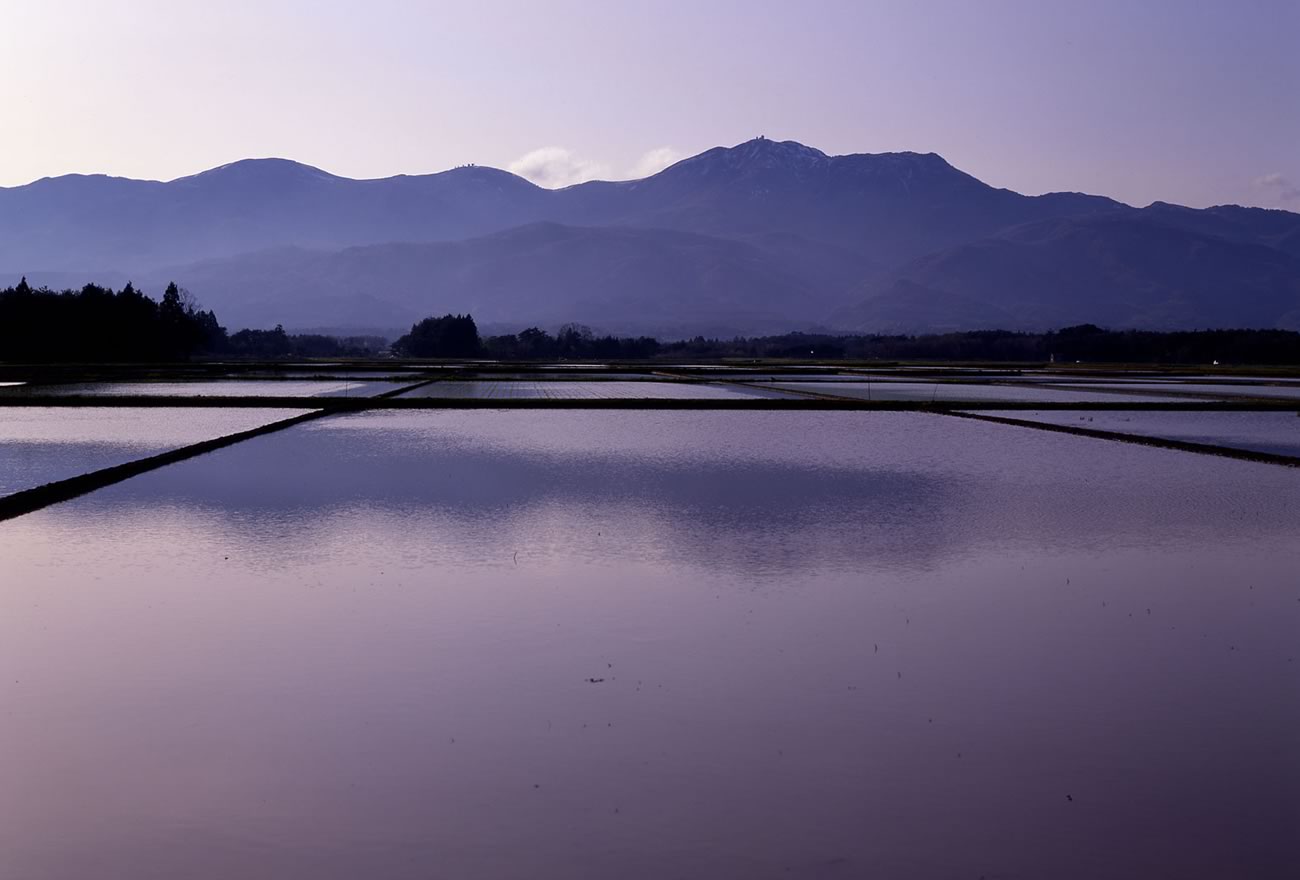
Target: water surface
[(961, 391), (1222, 390), (651, 644), (220, 388), (1273, 432), (575, 390), (39, 445)]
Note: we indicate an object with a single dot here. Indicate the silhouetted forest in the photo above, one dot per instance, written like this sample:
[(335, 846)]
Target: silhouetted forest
[(451, 336), (99, 325), (1085, 342), (572, 341), (457, 336), (271, 344), (96, 324)]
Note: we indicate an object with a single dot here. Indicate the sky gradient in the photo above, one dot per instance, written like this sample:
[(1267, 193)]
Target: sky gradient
[(1190, 102)]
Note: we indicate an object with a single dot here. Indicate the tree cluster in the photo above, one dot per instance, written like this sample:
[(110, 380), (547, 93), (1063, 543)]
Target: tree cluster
[(272, 344), (97, 324), (1085, 342), (572, 341), (451, 336), (454, 336)]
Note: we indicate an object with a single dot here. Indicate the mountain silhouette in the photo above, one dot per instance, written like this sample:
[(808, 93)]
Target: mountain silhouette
[(766, 235), (1139, 269), (650, 281)]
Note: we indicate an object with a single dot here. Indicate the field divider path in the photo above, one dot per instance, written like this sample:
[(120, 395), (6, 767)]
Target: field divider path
[(790, 393), (1172, 392), (1137, 439), (794, 392), (30, 500)]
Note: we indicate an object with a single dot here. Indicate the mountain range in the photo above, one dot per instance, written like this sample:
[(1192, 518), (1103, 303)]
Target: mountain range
[(762, 237)]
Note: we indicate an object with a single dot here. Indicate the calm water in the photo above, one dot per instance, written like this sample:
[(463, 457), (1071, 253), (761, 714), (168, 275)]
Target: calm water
[(553, 373), (960, 392), (39, 445), (1220, 390), (648, 645), (222, 388), (1275, 432), (577, 389)]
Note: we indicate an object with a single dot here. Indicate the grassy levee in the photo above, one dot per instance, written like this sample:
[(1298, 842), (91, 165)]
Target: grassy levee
[(1137, 439)]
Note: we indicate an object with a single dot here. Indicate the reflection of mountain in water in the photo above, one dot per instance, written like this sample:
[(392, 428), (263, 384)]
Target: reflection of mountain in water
[(872, 492)]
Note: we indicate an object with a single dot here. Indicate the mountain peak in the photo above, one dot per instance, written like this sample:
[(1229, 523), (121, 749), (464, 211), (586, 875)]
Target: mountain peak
[(757, 155), (259, 171), (762, 147), (763, 151)]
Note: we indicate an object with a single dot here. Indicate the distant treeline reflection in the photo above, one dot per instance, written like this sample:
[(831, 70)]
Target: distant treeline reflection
[(97, 324)]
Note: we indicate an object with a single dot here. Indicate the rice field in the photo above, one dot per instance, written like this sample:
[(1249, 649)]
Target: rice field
[(574, 390), (1277, 433)]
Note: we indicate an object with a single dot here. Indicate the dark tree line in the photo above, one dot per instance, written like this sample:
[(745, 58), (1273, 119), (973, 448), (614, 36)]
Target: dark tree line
[(451, 336), (1085, 342), (573, 341), (96, 324), (456, 336), (99, 325), (272, 344)]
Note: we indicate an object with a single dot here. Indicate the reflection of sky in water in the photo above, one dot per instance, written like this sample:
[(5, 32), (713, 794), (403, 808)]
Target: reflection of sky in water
[(832, 644), (223, 388), (578, 389), (958, 391), (1222, 389), (841, 490), (1275, 432), (42, 444)]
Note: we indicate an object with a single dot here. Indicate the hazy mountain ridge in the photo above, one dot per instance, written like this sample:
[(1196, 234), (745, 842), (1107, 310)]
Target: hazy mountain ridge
[(117, 224), (634, 280), (1121, 269), (764, 236)]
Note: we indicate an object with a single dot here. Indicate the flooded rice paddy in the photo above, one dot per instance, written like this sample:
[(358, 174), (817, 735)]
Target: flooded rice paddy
[(40, 445), (696, 644), (961, 391), (575, 390), (1272, 432), (220, 388), (1219, 390)]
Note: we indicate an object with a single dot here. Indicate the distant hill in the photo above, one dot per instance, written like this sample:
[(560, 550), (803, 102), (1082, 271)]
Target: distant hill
[(887, 206), (1142, 269), (764, 236), (106, 223), (632, 280)]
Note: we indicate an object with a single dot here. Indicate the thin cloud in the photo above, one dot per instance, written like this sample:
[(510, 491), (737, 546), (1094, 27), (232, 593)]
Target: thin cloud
[(1281, 187), (556, 167), (653, 162)]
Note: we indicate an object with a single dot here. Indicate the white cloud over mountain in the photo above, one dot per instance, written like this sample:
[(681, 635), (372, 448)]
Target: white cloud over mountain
[(556, 167)]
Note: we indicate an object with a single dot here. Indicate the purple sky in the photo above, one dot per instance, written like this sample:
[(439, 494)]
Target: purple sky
[(1194, 102)]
